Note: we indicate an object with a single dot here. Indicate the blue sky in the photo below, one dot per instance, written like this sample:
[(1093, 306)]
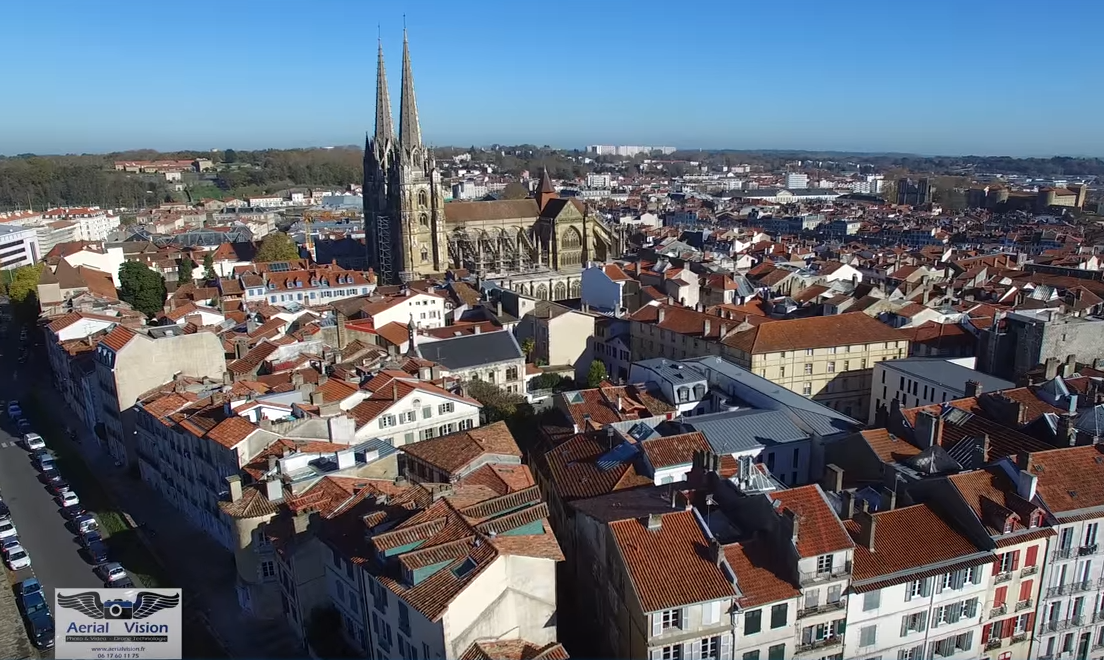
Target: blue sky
[(935, 77)]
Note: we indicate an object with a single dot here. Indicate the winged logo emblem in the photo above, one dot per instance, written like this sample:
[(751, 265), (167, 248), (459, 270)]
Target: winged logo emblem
[(145, 604)]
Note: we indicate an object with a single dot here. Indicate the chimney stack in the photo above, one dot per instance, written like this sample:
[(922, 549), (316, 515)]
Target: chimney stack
[(1051, 368), (706, 328), (715, 551), (929, 429), (300, 521), (833, 478), (1069, 367), (973, 388), (868, 525), (847, 505), (1026, 484), (888, 501), (661, 314), (271, 462), (235, 487)]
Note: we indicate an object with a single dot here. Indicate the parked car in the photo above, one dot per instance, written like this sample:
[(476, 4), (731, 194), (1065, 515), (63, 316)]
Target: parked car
[(41, 624), (73, 512), (7, 529), (33, 441), (45, 461), (14, 410), (111, 571), (97, 552), (68, 498), (86, 523), (18, 558), (58, 486), (8, 544), (5, 512), (122, 583), (29, 592), (89, 537), (24, 426)]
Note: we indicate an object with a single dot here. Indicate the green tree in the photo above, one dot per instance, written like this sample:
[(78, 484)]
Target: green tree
[(142, 288), (184, 270), (498, 404), (209, 267), (229, 156), (527, 346), (597, 374), (21, 285), (277, 246)]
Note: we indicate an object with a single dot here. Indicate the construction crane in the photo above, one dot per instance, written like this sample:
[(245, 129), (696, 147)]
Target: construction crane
[(308, 219)]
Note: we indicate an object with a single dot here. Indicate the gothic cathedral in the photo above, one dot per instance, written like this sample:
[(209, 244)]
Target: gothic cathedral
[(404, 213)]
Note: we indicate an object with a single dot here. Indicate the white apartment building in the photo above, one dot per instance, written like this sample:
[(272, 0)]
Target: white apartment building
[(599, 181), (1070, 615), (916, 382), (95, 223), (317, 286), (18, 246), (266, 201), (469, 190), (918, 587), (797, 180), (402, 411)]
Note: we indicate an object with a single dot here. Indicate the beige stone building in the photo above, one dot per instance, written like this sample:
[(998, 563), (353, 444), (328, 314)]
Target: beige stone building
[(561, 336), (827, 358)]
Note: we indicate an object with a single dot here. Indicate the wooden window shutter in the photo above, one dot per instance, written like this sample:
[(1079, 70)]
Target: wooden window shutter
[(1015, 560), (657, 624), (1032, 556), (985, 633), (1025, 589), (1001, 597)]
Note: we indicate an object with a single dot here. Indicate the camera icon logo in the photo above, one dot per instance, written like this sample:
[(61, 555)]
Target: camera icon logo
[(118, 609)]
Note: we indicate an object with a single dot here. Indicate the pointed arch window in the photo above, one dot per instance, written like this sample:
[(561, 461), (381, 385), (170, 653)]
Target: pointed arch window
[(425, 254), (423, 220), (423, 199)]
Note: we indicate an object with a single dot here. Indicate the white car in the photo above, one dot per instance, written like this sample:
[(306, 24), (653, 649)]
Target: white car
[(68, 498), (18, 558), (33, 441), (111, 571), (7, 529)]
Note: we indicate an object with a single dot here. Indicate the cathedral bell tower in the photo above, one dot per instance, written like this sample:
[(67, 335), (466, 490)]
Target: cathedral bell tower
[(403, 204)]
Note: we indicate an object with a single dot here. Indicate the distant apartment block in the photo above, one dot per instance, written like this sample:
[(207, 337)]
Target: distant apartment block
[(625, 150), (797, 180), (18, 246)]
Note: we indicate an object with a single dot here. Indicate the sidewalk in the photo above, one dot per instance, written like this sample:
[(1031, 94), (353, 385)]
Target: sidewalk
[(195, 562)]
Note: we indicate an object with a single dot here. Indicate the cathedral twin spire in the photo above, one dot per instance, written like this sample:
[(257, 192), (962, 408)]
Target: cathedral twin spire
[(410, 131)]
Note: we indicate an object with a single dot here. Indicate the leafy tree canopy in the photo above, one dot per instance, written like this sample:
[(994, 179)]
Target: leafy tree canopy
[(142, 288), (209, 267), (184, 270), (21, 286), (596, 374), (277, 246), (498, 404)]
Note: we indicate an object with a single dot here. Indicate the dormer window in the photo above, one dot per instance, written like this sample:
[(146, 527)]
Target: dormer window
[(1036, 519), (1008, 524)]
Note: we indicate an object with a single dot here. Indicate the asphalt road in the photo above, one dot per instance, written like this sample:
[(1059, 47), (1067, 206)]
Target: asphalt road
[(56, 559)]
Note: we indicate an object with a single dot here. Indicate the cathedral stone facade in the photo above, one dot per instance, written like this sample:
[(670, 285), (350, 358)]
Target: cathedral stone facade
[(412, 232)]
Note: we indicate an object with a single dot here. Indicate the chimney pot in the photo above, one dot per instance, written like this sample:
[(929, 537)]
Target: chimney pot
[(235, 487), (868, 525)]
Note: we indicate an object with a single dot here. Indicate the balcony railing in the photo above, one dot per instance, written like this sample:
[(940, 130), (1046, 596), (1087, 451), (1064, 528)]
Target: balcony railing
[(1024, 605), (1071, 588), (1029, 570), (1002, 577), (993, 644), (837, 573), (1061, 553), (1062, 624), (1022, 637), (998, 610), (1086, 550), (821, 609), (819, 644)]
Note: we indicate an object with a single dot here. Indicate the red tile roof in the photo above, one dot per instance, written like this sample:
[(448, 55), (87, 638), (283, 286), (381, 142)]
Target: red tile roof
[(669, 567), (119, 337), (453, 452), (814, 332), (1070, 479), (819, 530), (575, 473), (758, 574), (672, 450), (906, 539), (889, 447), (606, 405)]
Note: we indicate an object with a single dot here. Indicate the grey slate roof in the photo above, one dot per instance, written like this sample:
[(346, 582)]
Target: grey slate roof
[(743, 430), (947, 374), (470, 351), (1091, 421)]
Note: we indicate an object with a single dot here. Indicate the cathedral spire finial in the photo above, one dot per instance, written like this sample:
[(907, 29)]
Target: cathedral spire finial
[(385, 126), (410, 133)]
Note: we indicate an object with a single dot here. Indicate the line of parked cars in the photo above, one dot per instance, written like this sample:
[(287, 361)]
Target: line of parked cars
[(32, 600)]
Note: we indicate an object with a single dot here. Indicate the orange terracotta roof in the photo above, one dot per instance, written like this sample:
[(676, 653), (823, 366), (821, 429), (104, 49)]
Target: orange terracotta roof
[(819, 530), (898, 548), (814, 332), (231, 431), (888, 447), (119, 337), (1070, 479), (575, 473), (451, 453), (514, 649), (669, 451), (669, 567), (757, 574), (606, 405)]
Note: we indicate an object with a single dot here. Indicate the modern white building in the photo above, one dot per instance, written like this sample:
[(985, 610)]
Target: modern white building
[(18, 246), (469, 189), (916, 382), (797, 180), (95, 223), (599, 181)]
